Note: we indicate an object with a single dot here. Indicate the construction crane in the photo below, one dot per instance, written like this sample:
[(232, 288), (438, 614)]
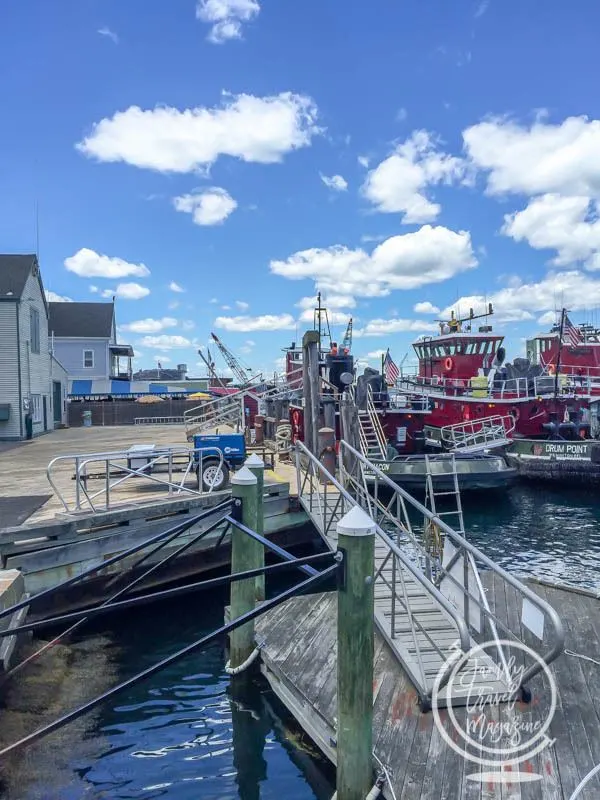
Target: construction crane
[(347, 340), (210, 365), (239, 372)]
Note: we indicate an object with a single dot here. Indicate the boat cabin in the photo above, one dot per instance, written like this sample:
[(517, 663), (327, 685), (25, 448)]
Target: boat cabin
[(582, 358)]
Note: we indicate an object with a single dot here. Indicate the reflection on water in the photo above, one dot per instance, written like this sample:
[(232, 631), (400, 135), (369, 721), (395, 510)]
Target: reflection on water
[(538, 530), (183, 734)]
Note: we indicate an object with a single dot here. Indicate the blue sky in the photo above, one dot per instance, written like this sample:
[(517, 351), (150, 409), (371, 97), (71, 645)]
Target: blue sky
[(398, 155)]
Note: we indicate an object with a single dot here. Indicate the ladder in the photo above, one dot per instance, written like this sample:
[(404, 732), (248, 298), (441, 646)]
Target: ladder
[(451, 495), (372, 437)]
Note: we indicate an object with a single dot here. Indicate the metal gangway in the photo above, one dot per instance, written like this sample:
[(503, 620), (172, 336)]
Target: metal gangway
[(371, 434), (473, 436), (427, 602)]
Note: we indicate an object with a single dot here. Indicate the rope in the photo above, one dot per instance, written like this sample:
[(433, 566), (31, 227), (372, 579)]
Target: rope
[(582, 656), (244, 665), (283, 437)]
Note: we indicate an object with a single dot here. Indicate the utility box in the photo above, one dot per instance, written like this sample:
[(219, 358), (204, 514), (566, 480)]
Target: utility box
[(232, 445), (4, 412)]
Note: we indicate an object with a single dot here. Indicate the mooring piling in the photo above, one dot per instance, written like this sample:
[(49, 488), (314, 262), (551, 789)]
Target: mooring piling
[(355, 631), (257, 467), (246, 553)]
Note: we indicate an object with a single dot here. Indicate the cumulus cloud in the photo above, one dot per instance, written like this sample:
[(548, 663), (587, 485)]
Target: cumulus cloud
[(127, 291), (574, 289), (242, 305), (384, 327), (331, 301), (429, 255), (335, 182), (254, 129), (88, 264), (334, 317), (175, 287), (106, 31), (165, 341), (399, 183), (149, 325), (266, 322), (52, 297), (569, 225), (208, 206), (425, 308), (226, 17)]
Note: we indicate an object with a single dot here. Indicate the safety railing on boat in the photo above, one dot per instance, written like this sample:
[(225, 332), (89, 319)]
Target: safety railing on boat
[(140, 465), (521, 388), (479, 434), (452, 565), (327, 499)]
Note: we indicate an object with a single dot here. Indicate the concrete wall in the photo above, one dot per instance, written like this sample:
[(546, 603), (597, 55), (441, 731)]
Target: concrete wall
[(69, 351)]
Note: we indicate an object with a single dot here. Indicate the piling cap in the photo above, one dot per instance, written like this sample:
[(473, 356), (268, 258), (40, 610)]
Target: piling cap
[(243, 477), (255, 461), (356, 523)]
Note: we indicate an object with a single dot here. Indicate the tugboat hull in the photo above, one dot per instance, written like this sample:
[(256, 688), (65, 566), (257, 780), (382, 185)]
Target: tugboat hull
[(474, 472)]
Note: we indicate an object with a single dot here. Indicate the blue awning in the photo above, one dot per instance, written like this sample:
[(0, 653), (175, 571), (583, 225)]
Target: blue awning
[(81, 387), (120, 387), (158, 388)]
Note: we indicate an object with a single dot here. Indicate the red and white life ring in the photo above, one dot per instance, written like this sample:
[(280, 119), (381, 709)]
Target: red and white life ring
[(448, 364)]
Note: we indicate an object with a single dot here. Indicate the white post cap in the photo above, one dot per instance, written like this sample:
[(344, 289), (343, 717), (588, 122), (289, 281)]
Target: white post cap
[(356, 523), (254, 460), (243, 477)]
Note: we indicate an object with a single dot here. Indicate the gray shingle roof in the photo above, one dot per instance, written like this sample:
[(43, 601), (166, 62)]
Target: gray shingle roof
[(14, 271), (85, 320)]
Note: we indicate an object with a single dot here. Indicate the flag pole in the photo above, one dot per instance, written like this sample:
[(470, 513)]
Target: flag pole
[(383, 366), (560, 342)]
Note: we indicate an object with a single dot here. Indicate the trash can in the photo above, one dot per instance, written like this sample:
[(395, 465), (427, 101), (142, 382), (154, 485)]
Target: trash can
[(87, 419), (28, 426)]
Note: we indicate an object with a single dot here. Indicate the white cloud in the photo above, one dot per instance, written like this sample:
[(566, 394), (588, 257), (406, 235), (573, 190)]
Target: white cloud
[(369, 238), (429, 255), (548, 318), (225, 308), (542, 158), (165, 341), (173, 305), (94, 289), (569, 225), (256, 129), (384, 327), (149, 325), (88, 264), (175, 287), (482, 7), (425, 308), (208, 206), (105, 31), (162, 359), (266, 322), (375, 355), (52, 297), (574, 289), (399, 182), (335, 182), (242, 305), (213, 300), (188, 325), (331, 301), (127, 291), (364, 161), (334, 317), (401, 115), (226, 17)]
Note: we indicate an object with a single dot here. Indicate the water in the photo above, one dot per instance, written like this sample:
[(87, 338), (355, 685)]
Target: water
[(181, 734)]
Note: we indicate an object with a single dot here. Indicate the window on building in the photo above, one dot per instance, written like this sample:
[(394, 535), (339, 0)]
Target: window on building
[(88, 359), (34, 332), (36, 407)]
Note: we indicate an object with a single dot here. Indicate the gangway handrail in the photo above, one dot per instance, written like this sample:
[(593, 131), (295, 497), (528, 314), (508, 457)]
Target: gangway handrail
[(154, 455), (480, 433), (461, 544), (433, 591)]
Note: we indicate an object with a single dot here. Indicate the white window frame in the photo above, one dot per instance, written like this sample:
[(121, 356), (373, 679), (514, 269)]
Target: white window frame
[(85, 365), (36, 408)]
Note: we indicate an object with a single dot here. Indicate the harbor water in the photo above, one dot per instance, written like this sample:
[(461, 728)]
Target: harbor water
[(182, 734)]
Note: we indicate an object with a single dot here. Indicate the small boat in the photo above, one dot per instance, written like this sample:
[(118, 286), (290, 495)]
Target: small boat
[(474, 471), (556, 460)]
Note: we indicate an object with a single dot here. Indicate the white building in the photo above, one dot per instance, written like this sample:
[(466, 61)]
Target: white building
[(32, 383)]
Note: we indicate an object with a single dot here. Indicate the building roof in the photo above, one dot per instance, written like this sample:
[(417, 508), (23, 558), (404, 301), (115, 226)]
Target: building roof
[(157, 375), (14, 271), (82, 320)]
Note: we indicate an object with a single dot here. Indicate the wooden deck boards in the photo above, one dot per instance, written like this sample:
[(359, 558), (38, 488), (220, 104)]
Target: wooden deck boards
[(300, 652)]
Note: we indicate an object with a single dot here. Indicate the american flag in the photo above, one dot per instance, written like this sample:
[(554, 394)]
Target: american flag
[(571, 334), (390, 370)]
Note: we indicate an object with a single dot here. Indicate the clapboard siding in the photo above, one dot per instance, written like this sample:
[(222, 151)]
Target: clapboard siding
[(9, 383), (35, 367), (69, 351)]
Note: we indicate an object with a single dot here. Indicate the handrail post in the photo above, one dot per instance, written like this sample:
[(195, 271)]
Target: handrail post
[(246, 553), (257, 467), (355, 646)]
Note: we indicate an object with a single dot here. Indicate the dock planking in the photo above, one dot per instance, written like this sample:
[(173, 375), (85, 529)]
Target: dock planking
[(299, 653)]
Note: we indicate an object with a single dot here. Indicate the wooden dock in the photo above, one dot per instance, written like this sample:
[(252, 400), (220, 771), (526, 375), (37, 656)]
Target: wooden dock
[(299, 661)]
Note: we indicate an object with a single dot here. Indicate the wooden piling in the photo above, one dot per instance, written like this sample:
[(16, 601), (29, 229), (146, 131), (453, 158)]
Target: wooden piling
[(349, 426), (246, 554), (355, 631), (257, 467), (259, 427), (327, 449), (329, 412), (310, 383)]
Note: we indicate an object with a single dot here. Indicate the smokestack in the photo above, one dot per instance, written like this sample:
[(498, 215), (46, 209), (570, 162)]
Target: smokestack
[(182, 369)]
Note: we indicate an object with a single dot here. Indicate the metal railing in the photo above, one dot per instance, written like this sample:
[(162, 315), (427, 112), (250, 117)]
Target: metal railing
[(158, 420), (116, 467), (327, 499), (456, 571), (520, 388), (479, 434)]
